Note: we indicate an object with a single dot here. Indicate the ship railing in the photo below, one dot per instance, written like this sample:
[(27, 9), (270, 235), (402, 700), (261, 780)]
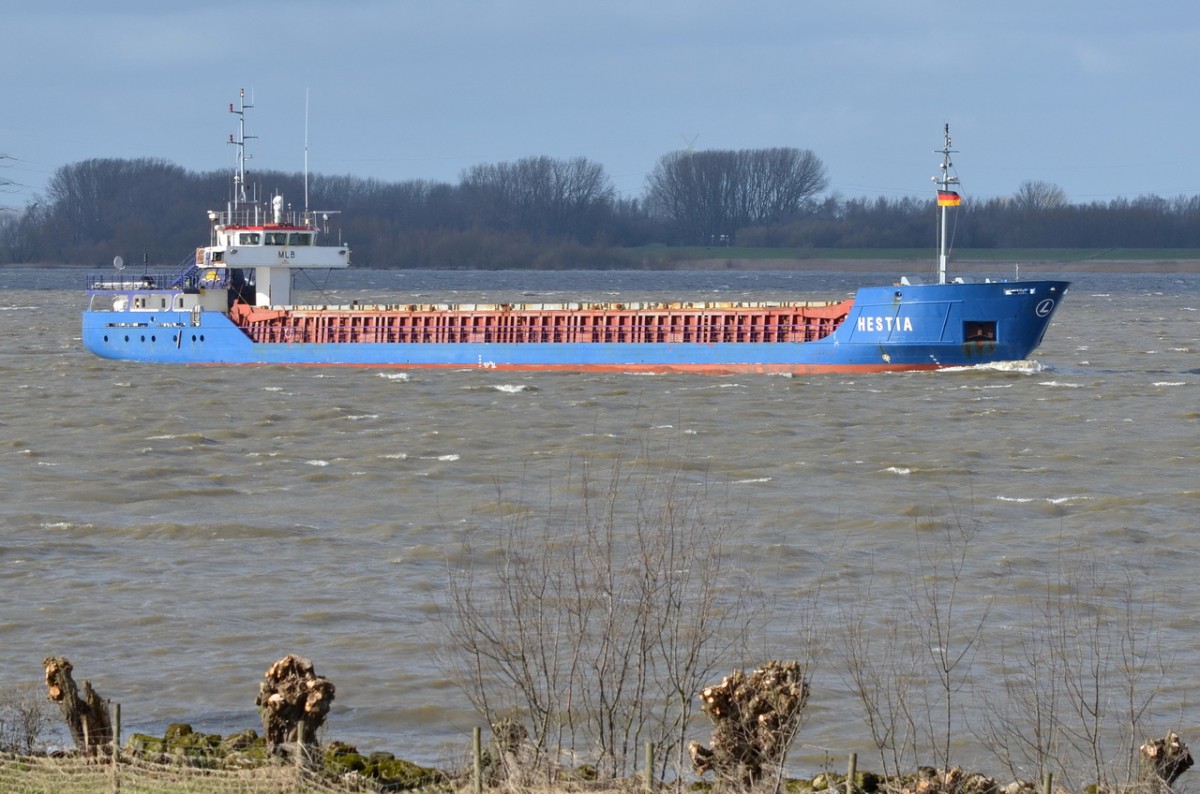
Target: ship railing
[(258, 215), (128, 281), (186, 273), (187, 276), (205, 271), (123, 282)]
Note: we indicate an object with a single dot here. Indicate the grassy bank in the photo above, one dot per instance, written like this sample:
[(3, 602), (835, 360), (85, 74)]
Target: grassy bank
[(79, 776), (1106, 260), (668, 253)]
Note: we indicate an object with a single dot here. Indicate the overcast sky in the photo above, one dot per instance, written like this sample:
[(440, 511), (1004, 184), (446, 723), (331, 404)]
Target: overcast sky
[(1099, 97)]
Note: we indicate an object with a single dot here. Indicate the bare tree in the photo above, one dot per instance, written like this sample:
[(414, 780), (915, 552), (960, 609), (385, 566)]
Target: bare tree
[(1087, 669), (777, 183), (951, 638), (910, 666), (540, 195), (711, 195), (24, 720), (1023, 725), (878, 663), (1039, 195), (1113, 669), (597, 622)]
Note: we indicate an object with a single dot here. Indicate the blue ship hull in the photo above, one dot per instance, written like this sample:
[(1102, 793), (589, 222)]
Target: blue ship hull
[(904, 327)]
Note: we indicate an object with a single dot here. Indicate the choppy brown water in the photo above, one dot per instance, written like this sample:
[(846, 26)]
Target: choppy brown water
[(173, 531)]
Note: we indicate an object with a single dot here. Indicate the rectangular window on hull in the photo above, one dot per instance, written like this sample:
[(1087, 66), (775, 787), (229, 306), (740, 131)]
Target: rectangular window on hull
[(979, 331)]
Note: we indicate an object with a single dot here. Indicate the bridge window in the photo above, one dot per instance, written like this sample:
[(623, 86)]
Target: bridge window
[(249, 238), (276, 238), (297, 238)]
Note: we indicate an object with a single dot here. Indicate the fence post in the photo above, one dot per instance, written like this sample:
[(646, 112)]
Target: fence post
[(477, 753), (851, 771), (115, 720), (116, 732), (300, 743), (649, 771), (1047, 782)]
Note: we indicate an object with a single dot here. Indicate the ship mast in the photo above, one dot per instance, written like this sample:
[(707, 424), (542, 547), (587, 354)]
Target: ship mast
[(947, 198), (239, 176)]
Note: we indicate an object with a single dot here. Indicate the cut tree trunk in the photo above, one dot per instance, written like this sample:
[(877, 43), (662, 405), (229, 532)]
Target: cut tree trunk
[(87, 716), (754, 718), (293, 701), (1164, 760)]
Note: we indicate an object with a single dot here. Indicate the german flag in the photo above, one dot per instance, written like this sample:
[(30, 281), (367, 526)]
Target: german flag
[(948, 198)]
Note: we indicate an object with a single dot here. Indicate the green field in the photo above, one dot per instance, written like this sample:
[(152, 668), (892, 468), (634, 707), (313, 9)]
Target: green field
[(684, 253)]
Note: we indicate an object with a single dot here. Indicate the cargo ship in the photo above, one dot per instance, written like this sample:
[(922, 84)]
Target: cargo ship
[(231, 303)]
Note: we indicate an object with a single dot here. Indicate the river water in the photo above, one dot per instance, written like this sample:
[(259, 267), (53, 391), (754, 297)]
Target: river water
[(174, 531)]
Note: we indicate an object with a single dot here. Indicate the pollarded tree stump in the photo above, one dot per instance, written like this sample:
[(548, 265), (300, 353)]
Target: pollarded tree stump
[(293, 702), (754, 718), (87, 716), (1164, 760)]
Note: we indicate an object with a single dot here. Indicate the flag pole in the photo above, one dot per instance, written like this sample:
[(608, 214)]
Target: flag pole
[(946, 198)]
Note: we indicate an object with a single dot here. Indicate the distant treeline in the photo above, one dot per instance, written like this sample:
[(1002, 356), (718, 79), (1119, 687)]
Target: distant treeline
[(542, 212)]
